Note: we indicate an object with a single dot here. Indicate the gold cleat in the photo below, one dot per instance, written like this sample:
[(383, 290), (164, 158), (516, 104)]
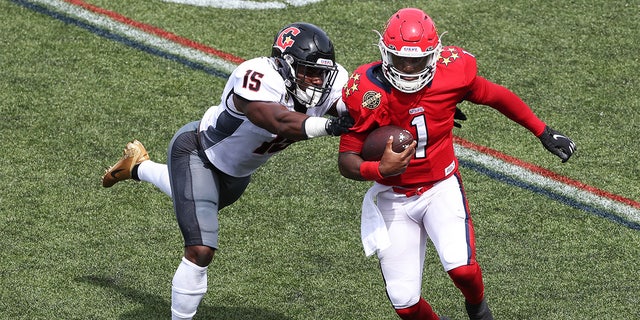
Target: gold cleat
[(133, 154)]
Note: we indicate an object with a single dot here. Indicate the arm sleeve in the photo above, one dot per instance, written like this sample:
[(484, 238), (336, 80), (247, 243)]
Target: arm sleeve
[(506, 102)]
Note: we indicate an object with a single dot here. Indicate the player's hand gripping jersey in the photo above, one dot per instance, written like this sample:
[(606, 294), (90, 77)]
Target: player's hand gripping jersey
[(234, 144), (428, 114)]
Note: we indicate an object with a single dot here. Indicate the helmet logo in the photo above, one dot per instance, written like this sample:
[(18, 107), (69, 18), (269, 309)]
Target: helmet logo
[(410, 49), (285, 38)]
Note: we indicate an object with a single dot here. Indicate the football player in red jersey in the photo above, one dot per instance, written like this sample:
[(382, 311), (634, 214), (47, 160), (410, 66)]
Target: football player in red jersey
[(418, 193)]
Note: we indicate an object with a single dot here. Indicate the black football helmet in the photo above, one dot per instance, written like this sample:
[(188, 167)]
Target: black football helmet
[(308, 62)]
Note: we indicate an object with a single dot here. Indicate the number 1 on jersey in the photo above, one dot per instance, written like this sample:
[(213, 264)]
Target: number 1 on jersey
[(420, 123)]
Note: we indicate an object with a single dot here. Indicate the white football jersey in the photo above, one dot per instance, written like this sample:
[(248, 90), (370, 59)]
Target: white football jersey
[(234, 144)]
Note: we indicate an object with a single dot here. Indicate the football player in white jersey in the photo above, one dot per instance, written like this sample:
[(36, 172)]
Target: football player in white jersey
[(267, 104)]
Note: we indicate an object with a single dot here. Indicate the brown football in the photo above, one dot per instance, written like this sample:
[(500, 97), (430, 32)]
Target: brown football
[(376, 142)]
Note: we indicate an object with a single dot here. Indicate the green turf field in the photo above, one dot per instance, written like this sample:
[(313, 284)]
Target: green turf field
[(290, 249)]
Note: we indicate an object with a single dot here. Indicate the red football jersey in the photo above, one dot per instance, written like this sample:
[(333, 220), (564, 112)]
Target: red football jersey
[(427, 114)]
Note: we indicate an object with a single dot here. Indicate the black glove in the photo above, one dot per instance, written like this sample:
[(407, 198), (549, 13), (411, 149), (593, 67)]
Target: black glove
[(459, 116), (557, 143), (337, 126)]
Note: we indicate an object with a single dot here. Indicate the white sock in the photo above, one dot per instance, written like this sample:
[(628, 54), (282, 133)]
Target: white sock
[(155, 173), (188, 287)]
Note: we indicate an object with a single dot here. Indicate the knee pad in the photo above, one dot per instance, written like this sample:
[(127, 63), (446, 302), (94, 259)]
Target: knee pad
[(402, 295)]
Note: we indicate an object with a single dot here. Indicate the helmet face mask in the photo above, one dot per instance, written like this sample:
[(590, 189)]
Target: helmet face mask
[(309, 54), (313, 82), (410, 48)]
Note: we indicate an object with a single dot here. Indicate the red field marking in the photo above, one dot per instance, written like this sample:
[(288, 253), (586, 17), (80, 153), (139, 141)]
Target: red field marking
[(157, 31), (545, 172)]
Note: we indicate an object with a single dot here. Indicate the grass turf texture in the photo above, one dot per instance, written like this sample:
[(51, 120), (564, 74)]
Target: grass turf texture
[(289, 248)]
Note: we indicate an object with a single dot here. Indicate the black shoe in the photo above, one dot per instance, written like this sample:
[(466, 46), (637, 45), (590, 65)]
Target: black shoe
[(479, 311)]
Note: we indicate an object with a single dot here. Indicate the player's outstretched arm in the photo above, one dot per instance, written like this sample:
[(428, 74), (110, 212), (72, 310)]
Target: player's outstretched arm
[(273, 117), (279, 120)]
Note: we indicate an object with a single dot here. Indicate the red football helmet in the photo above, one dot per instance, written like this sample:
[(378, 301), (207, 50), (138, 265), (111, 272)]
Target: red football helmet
[(410, 48)]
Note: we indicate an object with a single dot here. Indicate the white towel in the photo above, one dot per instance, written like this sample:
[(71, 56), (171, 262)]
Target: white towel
[(373, 231)]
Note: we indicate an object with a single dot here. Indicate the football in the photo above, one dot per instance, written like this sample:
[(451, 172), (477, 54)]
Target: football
[(376, 142)]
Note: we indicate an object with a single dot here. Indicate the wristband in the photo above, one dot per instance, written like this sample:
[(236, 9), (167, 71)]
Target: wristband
[(370, 170), (315, 127)]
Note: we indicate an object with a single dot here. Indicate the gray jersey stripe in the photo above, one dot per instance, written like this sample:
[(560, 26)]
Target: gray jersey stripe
[(226, 125)]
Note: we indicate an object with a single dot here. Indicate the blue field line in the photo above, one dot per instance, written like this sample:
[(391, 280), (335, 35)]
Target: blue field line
[(493, 174), (123, 40)]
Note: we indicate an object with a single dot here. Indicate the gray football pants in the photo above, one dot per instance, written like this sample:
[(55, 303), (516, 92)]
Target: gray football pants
[(199, 190)]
